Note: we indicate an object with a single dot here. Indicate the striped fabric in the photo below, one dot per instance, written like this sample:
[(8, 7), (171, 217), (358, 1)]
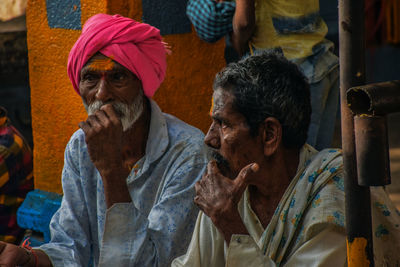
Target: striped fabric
[(15, 178), (212, 20)]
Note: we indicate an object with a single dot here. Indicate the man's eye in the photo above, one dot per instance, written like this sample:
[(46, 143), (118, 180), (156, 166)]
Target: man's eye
[(89, 78), (224, 125), (119, 76)]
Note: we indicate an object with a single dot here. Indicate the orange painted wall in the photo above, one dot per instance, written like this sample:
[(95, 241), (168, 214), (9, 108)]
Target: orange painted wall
[(57, 109)]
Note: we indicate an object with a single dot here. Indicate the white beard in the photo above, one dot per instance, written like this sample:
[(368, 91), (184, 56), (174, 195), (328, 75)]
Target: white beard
[(128, 114)]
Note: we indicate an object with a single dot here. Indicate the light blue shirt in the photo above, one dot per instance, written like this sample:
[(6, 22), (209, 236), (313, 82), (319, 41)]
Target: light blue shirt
[(151, 230)]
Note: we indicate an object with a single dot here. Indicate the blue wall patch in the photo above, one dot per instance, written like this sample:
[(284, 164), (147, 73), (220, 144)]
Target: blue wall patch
[(168, 16), (64, 14)]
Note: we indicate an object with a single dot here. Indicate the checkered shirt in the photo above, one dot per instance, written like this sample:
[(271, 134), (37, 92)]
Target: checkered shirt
[(211, 20)]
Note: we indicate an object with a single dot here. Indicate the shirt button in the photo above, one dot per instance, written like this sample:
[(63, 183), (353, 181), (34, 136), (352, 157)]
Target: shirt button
[(238, 240)]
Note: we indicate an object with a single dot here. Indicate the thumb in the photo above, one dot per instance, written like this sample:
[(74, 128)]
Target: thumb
[(243, 177)]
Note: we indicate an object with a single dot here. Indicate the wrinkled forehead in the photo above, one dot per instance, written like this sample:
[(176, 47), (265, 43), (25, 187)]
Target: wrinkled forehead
[(222, 99)]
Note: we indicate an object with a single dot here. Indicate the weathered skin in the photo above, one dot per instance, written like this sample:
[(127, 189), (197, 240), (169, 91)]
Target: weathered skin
[(260, 162), (12, 255), (111, 150)]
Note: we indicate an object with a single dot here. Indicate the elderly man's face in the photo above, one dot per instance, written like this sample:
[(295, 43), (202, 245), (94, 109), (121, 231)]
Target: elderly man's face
[(229, 136), (105, 81)]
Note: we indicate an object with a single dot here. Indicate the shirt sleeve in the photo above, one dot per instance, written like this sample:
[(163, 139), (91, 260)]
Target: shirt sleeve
[(70, 231), (155, 239)]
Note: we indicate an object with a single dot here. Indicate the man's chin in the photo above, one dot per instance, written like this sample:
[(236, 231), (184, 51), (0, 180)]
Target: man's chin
[(225, 170)]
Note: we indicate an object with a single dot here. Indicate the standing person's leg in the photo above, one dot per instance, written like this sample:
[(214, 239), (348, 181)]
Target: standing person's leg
[(330, 113), (324, 102)]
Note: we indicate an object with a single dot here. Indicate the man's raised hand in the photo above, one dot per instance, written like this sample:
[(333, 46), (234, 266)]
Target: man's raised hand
[(218, 197), (103, 135)]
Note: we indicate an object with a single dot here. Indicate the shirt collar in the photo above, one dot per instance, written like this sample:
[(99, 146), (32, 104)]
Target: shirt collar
[(158, 140)]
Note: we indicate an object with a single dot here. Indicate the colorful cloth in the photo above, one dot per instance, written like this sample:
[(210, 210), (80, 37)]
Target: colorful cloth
[(15, 178), (149, 231), (212, 20), (136, 46), (307, 228)]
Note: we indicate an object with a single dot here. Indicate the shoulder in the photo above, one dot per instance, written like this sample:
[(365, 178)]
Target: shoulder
[(180, 130), (184, 138), (76, 150), (327, 157), (77, 141), (327, 208), (323, 176)]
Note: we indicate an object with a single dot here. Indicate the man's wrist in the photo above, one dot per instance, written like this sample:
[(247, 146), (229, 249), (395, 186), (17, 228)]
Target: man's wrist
[(31, 258)]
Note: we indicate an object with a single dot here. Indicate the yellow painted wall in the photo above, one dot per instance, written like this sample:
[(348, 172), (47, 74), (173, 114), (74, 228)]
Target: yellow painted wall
[(57, 109)]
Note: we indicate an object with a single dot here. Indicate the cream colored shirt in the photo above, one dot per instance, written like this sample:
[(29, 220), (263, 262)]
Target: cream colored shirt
[(307, 228), (208, 248)]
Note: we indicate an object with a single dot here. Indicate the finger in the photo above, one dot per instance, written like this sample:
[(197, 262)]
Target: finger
[(203, 184), (199, 201), (212, 167), (197, 187), (102, 118), (2, 246), (94, 122), (242, 180), (111, 113), (85, 127)]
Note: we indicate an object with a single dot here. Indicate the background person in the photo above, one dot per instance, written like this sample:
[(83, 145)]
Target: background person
[(16, 178)]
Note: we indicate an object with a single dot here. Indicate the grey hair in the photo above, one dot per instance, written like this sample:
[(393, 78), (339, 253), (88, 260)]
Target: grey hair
[(268, 85)]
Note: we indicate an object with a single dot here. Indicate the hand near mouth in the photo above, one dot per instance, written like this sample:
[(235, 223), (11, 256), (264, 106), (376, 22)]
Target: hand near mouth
[(218, 197)]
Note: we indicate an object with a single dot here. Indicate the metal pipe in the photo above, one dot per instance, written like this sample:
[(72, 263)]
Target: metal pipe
[(352, 73), (375, 99), (372, 150)]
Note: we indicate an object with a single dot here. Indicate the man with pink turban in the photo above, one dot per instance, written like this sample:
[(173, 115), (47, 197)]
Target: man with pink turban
[(129, 171)]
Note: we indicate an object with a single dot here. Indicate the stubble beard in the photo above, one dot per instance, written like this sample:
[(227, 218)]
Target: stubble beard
[(128, 114), (222, 163)]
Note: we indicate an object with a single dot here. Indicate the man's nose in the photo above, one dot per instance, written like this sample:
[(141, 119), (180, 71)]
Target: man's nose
[(212, 138), (103, 91)]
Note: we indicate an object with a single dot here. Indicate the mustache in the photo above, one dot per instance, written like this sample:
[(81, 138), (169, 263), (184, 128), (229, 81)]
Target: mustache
[(221, 161), (118, 107), (127, 113)]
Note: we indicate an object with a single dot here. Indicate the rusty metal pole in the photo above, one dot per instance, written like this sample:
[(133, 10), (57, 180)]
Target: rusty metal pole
[(352, 73)]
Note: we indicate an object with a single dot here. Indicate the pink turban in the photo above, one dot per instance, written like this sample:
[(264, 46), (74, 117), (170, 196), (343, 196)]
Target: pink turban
[(136, 46)]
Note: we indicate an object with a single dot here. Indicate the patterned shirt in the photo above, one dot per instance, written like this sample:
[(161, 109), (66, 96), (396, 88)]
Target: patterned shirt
[(149, 231), (212, 20), (15, 178), (307, 228)]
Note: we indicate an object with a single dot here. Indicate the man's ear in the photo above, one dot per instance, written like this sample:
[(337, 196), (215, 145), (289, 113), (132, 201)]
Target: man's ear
[(272, 135)]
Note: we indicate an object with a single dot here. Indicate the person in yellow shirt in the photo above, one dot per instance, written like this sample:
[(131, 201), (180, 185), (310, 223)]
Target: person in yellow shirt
[(293, 26)]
